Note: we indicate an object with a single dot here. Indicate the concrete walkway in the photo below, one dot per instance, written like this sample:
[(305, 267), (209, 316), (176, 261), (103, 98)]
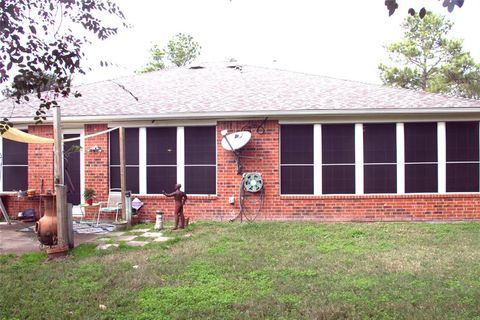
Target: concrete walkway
[(14, 241)]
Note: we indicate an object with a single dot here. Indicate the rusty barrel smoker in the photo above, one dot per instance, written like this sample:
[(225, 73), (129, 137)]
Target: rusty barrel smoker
[(46, 227)]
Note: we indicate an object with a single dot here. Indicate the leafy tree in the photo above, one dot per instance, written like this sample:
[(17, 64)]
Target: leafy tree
[(426, 59), (156, 61), (180, 51), (37, 38), (44, 82)]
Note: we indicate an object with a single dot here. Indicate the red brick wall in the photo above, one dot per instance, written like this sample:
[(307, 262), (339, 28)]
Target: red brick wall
[(40, 160), (15, 205), (429, 207), (96, 163), (266, 145)]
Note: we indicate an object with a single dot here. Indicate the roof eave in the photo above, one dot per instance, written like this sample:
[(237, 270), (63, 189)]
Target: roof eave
[(253, 114)]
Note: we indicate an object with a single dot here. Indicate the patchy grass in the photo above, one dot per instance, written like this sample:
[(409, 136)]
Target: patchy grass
[(142, 238), (85, 250), (268, 270)]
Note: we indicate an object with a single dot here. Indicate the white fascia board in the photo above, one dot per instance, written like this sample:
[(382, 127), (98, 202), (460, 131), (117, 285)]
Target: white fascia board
[(469, 113)]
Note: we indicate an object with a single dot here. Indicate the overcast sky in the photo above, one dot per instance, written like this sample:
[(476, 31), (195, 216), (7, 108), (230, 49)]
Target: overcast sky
[(343, 39)]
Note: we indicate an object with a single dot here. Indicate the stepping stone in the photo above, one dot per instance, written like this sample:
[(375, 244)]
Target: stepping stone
[(116, 234), (161, 239), (152, 234), (106, 246), (125, 238), (140, 230), (103, 239), (137, 243)]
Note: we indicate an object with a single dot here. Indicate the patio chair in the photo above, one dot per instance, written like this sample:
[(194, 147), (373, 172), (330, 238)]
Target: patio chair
[(113, 204)]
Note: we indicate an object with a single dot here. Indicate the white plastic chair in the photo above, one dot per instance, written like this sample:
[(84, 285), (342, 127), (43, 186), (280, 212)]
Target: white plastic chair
[(113, 204)]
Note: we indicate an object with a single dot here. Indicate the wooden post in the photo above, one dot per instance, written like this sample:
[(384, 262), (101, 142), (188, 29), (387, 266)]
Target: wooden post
[(71, 237), (61, 199), (123, 170)]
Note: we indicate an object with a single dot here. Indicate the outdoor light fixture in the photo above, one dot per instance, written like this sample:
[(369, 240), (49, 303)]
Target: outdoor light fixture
[(95, 149)]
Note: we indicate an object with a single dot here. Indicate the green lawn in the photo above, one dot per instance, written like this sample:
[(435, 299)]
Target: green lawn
[(267, 270)]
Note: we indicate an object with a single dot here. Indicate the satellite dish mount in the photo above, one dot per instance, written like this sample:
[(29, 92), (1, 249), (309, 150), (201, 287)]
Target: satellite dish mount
[(235, 142)]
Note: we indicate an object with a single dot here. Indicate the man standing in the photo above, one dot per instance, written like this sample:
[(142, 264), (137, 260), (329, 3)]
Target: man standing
[(180, 199)]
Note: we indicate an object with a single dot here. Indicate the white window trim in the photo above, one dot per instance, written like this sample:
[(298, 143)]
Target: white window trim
[(400, 158), (442, 157), (317, 159), (359, 184), (181, 156), (142, 160)]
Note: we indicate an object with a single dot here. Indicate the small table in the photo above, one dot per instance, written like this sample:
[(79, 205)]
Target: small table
[(83, 207)]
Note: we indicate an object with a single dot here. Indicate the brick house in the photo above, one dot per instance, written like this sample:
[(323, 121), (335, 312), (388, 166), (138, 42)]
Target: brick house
[(327, 149)]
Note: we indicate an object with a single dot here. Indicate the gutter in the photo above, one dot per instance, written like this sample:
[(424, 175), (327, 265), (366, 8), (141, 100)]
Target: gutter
[(239, 115)]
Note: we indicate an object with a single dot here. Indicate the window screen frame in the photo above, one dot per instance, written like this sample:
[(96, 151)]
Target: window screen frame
[(389, 160), (347, 164), (421, 163), (23, 166), (462, 163), (287, 164), (127, 165), (171, 164), (192, 164)]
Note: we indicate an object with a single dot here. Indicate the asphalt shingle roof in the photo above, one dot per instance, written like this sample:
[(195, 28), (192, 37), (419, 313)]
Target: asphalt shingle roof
[(222, 90)]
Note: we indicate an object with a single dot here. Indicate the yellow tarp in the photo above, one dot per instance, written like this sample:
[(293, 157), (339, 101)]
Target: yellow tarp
[(20, 136)]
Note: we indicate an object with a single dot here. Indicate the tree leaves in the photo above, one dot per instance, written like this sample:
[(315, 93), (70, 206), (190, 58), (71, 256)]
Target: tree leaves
[(5, 124), (37, 42), (392, 6), (450, 4), (422, 13)]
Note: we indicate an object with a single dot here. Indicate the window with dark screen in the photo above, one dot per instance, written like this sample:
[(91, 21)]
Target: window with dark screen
[(296, 159), (338, 159), (200, 160), (14, 165), (131, 159), (421, 159), (462, 157), (380, 157), (161, 159)]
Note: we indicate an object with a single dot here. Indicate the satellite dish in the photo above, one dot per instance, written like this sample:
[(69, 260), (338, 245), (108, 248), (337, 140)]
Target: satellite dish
[(236, 140)]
